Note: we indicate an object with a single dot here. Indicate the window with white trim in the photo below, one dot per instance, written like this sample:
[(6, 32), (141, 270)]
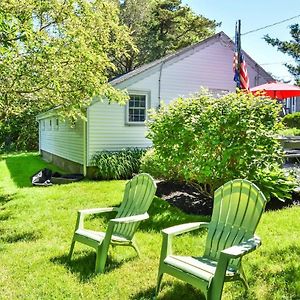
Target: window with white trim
[(137, 109)]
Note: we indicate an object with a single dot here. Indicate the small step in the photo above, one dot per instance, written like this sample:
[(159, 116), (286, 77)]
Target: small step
[(291, 153)]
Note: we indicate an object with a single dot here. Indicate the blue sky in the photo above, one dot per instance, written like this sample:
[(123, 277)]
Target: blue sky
[(254, 14)]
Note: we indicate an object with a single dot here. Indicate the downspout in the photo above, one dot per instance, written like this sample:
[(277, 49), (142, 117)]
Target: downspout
[(159, 84), (85, 144)]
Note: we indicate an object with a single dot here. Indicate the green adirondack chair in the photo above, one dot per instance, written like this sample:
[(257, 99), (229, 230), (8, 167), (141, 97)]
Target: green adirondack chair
[(138, 196), (238, 206)]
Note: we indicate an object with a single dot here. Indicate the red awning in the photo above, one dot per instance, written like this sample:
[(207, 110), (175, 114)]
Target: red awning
[(277, 90)]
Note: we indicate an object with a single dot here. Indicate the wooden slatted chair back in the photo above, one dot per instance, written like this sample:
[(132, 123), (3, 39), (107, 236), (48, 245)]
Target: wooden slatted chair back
[(238, 206), (138, 195)]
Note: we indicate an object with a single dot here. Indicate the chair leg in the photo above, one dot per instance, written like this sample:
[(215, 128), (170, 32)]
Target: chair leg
[(159, 279), (100, 260), (244, 279), (214, 295), (136, 248), (216, 289), (71, 249)]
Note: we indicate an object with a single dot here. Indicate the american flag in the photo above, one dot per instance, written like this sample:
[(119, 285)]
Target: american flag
[(239, 65)]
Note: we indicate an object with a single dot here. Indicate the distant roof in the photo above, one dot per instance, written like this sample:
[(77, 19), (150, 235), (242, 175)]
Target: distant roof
[(219, 36)]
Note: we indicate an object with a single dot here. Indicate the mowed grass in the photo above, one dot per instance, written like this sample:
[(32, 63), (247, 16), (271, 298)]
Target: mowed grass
[(36, 226)]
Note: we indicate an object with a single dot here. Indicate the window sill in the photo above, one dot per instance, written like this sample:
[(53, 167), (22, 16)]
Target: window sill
[(135, 124)]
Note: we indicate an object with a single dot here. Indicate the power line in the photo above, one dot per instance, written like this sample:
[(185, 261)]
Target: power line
[(267, 26), (277, 63)]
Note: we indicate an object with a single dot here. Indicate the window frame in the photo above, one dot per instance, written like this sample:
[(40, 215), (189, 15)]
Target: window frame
[(50, 127), (147, 106), (56, 124)]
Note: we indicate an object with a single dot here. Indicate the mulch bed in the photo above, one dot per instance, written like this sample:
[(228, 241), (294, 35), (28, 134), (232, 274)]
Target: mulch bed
[(191, 201)]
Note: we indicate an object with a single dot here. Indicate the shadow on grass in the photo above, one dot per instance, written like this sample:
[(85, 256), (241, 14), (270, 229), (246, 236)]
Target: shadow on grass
[(281, 254), (175, 290), (4, 216), (84, 264), (283, 270), (5, 198), (162, 215), (20, 237), (23, 166)]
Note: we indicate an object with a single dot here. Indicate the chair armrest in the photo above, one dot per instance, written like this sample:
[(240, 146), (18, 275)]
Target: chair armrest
[(82, 213), (183, 228), (243, 248), (92, 211), (170, 232), (124, 220), (131, 219)]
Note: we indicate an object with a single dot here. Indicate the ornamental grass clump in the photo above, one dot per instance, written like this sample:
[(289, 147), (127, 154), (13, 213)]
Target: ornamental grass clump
[(207, 141), (117, 164)]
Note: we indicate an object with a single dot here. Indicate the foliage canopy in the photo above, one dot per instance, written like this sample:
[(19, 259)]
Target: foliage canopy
[(161, 27)]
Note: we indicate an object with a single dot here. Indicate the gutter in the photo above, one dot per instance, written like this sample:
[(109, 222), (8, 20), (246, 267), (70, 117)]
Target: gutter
[(48, 113)]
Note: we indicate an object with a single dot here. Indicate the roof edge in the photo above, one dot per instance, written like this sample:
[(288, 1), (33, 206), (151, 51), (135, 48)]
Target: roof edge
[(164, 59), (47, 113), (220, 35)]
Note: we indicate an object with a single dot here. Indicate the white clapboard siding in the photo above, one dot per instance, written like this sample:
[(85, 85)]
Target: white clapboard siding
[(207, 67), (107, 129), (65, 141), (210, 67)]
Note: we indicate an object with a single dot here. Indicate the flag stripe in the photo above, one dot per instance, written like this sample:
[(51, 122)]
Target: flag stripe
[(244, 79)]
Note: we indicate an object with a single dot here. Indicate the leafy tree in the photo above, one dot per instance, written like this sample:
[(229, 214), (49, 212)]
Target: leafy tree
[(161, 27), (57, 53), (291, 48), (135, 14)]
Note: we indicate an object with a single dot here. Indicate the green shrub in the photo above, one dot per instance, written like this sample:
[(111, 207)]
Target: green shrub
[(292, 120), (208, 141), (274, 182), (117, 164), (151, 163)]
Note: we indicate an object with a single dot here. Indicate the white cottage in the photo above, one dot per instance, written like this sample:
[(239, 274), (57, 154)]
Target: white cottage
[(206, 64)]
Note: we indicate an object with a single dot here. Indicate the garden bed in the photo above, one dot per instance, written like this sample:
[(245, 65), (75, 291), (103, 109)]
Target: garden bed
[(192, 201)]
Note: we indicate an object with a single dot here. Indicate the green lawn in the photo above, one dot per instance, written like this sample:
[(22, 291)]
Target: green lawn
[(36, 225)]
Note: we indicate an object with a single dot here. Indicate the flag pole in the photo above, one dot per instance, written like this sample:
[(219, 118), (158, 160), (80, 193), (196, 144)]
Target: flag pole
[(239, 49)]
